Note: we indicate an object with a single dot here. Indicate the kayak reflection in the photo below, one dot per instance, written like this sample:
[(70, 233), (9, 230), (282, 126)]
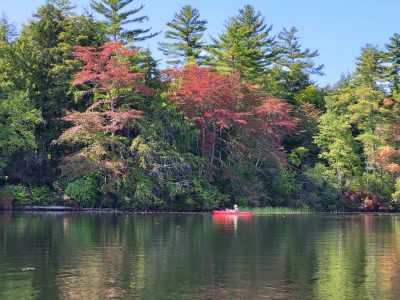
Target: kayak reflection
[(230, 221)]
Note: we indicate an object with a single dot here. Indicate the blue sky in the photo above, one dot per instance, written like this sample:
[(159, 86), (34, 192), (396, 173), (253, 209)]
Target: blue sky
[(337, 28)]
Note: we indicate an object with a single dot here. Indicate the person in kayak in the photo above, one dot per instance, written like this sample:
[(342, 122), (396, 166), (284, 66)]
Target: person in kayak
[(235, 208)]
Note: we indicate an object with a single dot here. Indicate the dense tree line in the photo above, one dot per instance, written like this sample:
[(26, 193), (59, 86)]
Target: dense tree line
[(87, 117)]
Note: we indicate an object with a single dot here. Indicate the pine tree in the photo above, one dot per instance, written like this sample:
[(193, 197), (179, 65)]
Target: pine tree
[(245, 46), (116, 19), (291, 53), (7, 30), (370, 67), (393, 58), (62, 5), (186, 34), (296, 64)]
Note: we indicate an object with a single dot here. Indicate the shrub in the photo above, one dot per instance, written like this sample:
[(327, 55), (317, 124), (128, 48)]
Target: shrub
[(207, 196), (84, 191), (143, 194), (15, 194), (42, 196), (363, 200), (318, 192)]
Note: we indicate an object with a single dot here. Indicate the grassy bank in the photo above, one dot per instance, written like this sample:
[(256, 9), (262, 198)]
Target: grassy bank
[(269, 210)]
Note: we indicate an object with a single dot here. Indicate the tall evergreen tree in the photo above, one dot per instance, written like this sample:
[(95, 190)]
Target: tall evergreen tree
[(7, 29), (370, 69), (295, 64), (245, 46), (291, 53), (393, 58), (116, 18), (186, 37)]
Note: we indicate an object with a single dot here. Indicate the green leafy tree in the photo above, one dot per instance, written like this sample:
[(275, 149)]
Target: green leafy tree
[(41, 63), (359, 102), (116, 18), (338, 146), (186, 35), (18, 118), (245, 46)]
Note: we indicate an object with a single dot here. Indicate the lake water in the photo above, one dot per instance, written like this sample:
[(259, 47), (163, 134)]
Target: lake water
[(170, 256)]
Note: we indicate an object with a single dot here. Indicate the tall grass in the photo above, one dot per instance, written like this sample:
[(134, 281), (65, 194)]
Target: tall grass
[(269, 210)]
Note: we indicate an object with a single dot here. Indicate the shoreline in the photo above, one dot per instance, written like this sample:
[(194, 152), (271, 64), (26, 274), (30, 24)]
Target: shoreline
[(40, 208), (58, 208)]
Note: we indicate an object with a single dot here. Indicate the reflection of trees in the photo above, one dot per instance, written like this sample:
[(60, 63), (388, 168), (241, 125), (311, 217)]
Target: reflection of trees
[(152, 256), (354, 261)]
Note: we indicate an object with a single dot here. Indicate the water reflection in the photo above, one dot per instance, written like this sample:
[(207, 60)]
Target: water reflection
[(123, 256), (230, 222)]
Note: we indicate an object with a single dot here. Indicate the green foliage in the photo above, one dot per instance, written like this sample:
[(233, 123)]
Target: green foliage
[(42, 195), (17, 193), (338, 146), (284, 188), (370, 67), (318, 192), (293, 66), (396, 194), (278, 210), (160, 157), (310, 94), (392, 56), (117, 15), (186, 33), (245, 46), (143, 194), (17, 124), (84, 191), (292, 56), (296, 156), (207, 196)]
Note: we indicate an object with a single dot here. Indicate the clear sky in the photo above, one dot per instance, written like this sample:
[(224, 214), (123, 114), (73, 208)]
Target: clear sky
[(337, 28)]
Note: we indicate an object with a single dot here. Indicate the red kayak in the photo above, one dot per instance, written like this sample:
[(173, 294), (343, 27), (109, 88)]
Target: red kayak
[(232, 213)]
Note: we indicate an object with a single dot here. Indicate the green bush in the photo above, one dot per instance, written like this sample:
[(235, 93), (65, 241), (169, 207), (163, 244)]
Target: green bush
[(17, 193), (143, 194), (84, 191), (318, 192), (396, 193), (207, 196), (42, 196), (284, 187)]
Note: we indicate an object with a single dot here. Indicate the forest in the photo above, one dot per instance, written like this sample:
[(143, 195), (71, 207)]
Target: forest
[(89, 118)]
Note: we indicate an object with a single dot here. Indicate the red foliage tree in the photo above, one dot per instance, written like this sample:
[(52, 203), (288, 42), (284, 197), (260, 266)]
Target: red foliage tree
[(363, 200), (222, 104), (107, 71), (386, 158)]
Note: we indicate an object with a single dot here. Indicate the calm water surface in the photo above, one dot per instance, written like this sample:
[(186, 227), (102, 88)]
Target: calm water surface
[(127, 256)]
